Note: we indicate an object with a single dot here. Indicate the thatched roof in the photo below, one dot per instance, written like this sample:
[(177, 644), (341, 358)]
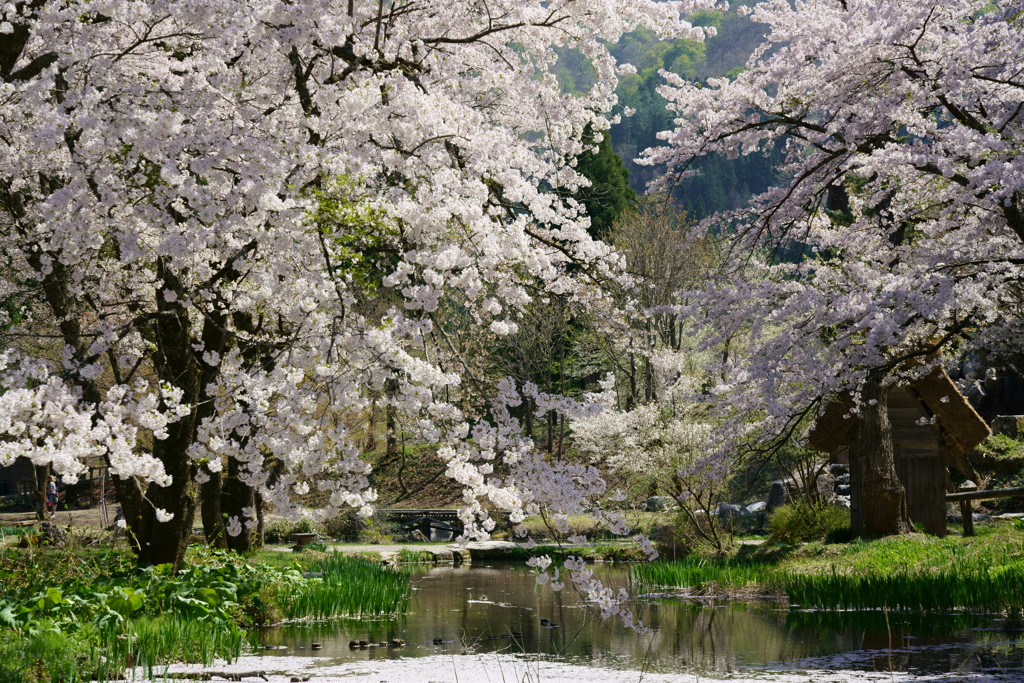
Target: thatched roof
[(963, 427), (960, 423), (835, 427)]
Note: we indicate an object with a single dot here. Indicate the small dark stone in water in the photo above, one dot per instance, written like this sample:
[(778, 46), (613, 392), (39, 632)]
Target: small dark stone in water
[(554, 626), (363, 644), (299, 679), (438, 641), (397, 642), (316, 646), (382, 644), (517, 634), (545, 622), (353, 644)]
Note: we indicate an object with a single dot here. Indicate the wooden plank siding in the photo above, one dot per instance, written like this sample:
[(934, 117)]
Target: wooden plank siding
[(920, 454), (17, 473)]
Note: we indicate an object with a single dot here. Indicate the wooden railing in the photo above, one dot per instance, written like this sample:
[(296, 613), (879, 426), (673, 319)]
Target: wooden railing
[(963, 497)]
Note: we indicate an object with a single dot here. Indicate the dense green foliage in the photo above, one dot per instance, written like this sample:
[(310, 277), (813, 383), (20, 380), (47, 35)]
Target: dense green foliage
[(722, 184), (55, 622), (609, 194), (807, 521)]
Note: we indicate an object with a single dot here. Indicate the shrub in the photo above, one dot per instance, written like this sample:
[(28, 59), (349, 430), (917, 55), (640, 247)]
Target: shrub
[(807, 521), (280, 529), (345, 527), (692, 531)]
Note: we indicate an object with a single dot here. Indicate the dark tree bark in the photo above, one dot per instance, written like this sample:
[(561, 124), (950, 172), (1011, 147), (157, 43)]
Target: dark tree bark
[(42, 476), (879, 499), (236, 496), (213, 519)]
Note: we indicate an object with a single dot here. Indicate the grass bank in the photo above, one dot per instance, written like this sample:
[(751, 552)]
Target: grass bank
[(920, 573), (79, 615)]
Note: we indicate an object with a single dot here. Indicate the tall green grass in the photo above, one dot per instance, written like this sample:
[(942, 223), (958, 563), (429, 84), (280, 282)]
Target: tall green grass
[(697, 573), (347, 588), (47, 654), (898, 573), (982, 588), (151, 643)]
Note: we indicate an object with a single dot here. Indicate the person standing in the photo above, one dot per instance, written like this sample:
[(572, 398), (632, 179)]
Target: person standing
[(51, 496)]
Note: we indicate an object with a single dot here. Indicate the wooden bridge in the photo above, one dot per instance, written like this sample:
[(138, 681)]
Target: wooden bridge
[(429, 521)]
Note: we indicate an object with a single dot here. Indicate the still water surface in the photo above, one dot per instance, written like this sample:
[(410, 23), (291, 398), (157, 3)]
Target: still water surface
[(487, 616)]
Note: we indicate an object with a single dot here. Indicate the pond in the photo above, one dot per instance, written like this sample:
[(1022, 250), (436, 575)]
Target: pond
[(495, 623)]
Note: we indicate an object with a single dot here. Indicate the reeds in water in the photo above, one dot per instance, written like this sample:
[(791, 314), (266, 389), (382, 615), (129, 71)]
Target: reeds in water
[(699, 572), (348, 587), (897, 574), (151, 643), (991, 589)]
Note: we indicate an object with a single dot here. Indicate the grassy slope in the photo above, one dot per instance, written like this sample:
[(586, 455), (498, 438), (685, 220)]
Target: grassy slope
[(907, 572)]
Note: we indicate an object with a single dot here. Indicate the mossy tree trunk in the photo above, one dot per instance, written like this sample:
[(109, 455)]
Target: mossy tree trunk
[(880, 502)]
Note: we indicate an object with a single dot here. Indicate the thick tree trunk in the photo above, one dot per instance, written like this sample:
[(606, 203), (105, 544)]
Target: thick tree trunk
[(213, 519), (880, 503), (236, 497), (42, 476), (165, 542)]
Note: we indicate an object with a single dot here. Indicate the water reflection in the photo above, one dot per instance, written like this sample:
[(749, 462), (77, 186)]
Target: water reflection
[(500, 609)]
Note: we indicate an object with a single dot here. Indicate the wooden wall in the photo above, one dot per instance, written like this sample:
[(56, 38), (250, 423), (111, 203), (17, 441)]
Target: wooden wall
[(920, 454), (20, 471)]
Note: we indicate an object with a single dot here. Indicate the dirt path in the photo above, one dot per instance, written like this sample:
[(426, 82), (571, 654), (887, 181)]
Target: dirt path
[(87, 517)]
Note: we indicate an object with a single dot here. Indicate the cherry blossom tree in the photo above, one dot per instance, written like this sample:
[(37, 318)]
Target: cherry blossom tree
[(234, 222), (898, 234)]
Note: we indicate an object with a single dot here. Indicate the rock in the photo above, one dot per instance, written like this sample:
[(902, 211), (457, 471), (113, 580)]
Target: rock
[(438, 641), (53, 535), (418, 536), (353, 644), (1008, 425), (489, 550), (460, 555), (843, 490), (445, 556), (841, 501), (544, 621), (316, 646), (729, 511), (778, 495), (825, 485), (838, 469), (659, 503), (757, 508), (396, 642), (843, 479)]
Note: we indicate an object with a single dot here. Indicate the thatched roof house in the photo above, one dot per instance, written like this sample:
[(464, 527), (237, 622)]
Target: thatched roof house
[(923, 447)]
